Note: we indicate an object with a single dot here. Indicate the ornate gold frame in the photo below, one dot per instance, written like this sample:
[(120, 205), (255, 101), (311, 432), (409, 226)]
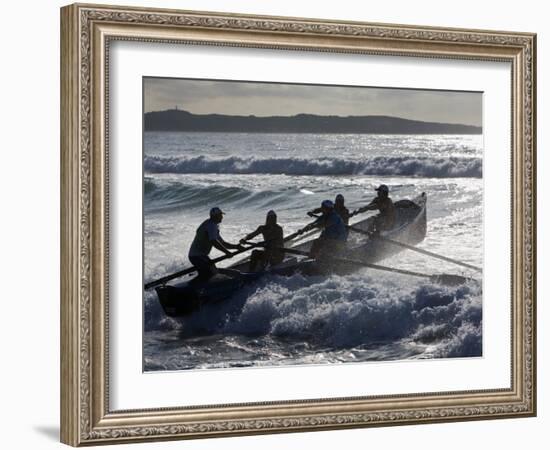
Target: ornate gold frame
[(86, 31)]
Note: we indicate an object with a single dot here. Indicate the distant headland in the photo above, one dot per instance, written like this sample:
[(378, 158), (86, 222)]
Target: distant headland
[(180, 120)]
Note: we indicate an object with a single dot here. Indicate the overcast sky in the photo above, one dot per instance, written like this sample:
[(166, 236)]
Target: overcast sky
[(273, 99)]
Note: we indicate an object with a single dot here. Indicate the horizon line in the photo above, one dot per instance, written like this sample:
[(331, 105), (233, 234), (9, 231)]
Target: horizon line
[(311, 114)]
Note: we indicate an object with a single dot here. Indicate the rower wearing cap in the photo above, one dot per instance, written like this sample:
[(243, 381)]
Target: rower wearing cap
[(206, 237), (272, 233), (385, 220), (334, 234), (339, 207)]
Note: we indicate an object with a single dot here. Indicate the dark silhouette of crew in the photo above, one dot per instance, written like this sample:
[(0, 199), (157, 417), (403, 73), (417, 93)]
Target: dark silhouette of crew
[(385, 220), (206, 237), (334, 235), (339, 207), (272, 254)]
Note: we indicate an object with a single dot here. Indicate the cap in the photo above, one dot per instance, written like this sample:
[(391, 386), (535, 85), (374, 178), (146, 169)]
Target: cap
[(271, 213), (383, 188), (327, 204), (215, 211)]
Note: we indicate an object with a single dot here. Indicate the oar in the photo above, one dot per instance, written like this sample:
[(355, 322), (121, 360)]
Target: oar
[(416, 249), (309, 234), (448, 279), (292, 236), (354, 213), (189, 270)]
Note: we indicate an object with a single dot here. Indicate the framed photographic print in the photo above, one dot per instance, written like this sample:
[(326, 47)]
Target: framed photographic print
[(274, 225)]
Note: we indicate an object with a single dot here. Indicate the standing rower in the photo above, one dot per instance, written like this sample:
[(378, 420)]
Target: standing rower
[(334, 234), (385, 220), (206, 237), (272, 233)]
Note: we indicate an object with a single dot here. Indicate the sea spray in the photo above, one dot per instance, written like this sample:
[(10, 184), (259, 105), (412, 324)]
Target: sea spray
[(343, 313)]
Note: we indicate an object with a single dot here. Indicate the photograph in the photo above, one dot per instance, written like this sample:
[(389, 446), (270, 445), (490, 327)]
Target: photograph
[(302, 224), (291, 223)]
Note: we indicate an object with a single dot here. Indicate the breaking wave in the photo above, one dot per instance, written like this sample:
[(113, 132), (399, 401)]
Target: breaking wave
[(450, 167), (163, 196), (344, 313)]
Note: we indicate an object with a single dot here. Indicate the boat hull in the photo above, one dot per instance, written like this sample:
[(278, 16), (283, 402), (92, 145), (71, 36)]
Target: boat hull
[(188, 297)]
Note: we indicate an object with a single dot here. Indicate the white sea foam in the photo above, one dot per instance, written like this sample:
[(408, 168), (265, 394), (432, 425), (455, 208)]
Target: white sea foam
[(344, 312)]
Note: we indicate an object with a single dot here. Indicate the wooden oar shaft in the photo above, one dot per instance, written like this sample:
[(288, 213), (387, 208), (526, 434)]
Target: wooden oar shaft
[(189, 270), (292, 236), (353, 214), (416, 249), (308, 234), (361, 263), (441, 278)]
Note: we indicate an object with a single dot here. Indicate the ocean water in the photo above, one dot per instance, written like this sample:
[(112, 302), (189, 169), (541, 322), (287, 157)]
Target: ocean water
[(364, 316)]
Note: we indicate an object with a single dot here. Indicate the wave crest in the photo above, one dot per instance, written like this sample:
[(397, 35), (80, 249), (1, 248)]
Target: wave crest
[(347, 312), (452, 167)]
